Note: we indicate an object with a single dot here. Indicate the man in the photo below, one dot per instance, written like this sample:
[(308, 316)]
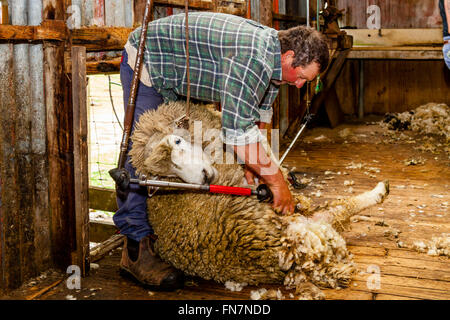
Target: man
[(234, 61), (444, 7)]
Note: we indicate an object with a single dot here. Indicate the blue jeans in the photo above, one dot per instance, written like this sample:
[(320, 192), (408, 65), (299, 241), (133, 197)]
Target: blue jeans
[(446, 51), (132, 217)]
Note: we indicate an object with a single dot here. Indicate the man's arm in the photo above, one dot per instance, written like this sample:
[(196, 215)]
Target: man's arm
[(255, 157), (447, 10)]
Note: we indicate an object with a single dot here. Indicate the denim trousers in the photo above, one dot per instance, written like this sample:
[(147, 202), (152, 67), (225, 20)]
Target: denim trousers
[(446, 51), (132, 217)]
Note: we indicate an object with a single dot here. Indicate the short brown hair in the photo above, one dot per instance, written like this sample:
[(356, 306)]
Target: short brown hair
[(308, 44)]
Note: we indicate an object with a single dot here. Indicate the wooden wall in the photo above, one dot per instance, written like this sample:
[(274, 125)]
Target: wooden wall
[(393, 85), (394, 14)]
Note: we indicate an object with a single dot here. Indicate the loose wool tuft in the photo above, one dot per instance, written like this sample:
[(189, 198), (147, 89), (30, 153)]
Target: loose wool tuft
[(239, 239)]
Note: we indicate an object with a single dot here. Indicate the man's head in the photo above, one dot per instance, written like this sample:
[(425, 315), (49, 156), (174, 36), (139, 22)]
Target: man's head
[(304, 54)]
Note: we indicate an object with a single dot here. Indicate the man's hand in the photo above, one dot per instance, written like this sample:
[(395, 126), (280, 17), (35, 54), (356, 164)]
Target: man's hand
[(258, 163), (249, 176), (282, 198)]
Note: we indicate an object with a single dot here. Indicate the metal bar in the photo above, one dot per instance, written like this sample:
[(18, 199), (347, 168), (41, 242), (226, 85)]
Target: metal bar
[(129, 115), (293, 142), (167, 184), (308, 24)]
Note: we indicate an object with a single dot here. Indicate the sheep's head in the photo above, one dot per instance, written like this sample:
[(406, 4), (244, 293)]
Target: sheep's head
[(174, 156)]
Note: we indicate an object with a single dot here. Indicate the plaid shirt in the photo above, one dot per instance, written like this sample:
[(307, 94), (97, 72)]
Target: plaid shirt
[(232, 60)]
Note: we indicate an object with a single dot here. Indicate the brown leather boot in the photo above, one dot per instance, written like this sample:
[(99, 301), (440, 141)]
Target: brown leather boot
[(149, 269)]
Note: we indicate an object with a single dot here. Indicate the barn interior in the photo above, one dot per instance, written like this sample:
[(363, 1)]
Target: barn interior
[(60, 93)]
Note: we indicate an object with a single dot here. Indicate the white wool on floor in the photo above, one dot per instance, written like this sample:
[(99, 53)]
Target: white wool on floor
[(235, 286)]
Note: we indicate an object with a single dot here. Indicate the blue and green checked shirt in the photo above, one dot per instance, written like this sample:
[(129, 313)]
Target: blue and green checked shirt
[(232, 60)]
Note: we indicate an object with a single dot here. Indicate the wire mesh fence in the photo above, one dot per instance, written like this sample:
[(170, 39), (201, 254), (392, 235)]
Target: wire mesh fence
[(106, 113)]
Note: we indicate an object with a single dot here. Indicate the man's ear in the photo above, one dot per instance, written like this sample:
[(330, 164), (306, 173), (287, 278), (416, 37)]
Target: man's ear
[(288, 55)]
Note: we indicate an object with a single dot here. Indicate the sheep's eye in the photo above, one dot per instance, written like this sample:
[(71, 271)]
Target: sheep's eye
[(178, 141)]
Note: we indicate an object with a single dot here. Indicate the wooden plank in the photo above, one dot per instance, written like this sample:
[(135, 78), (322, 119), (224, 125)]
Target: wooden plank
[(394, 14), (193, 4), (404, 85), (53, 10), (101, 38), (10, 273), (290, 18), (96, 67), (105, 247), (388, 267), (402, 53), (100, 231), (48, 30), (60, 154), (265, 12), (333, 108), (396, 37), (402, 287), (103, 67), (59, 143), (329, 79), (102, 199), (80, 157)]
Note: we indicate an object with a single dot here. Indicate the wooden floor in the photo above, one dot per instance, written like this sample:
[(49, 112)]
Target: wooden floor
[(417, 207)]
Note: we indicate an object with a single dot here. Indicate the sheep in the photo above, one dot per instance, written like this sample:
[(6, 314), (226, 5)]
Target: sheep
[(233, 238)]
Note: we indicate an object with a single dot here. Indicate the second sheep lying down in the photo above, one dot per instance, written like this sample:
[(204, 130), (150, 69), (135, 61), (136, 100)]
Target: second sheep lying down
[(231, 238)]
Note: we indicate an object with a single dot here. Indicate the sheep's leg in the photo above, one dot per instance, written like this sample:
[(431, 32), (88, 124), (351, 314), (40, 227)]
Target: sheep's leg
[(339, 212)]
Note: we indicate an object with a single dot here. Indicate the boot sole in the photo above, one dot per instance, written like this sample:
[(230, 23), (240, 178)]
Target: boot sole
[(128, 274)]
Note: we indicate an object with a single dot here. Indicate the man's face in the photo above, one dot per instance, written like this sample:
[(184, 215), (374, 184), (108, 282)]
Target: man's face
[(299, 75)]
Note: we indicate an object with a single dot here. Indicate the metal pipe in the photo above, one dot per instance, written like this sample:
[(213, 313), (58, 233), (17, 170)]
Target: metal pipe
[(129, 115), (308, 23), (167, 184), (293, 142)]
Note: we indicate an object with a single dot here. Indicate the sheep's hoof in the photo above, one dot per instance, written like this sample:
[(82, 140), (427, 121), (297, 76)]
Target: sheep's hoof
[(386, 190)]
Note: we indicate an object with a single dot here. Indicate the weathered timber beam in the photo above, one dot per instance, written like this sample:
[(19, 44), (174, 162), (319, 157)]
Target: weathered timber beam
[(236, 7), (286, 17), (96, 67), (193, 4), (396, 37), (101, 38), (104, 66), (102, 249), (80, 157), (102, 199), (48, 30), (398, 53)]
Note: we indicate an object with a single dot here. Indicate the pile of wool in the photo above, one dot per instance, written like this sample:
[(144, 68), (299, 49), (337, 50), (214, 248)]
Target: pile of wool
[(431, 118), (315, 252), (438, 246), (264, 294)]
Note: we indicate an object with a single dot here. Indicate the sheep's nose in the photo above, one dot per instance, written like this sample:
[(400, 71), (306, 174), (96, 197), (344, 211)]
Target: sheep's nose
[(207, 177)]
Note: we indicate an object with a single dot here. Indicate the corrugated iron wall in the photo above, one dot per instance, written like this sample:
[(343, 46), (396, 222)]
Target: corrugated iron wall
[(24, 210)]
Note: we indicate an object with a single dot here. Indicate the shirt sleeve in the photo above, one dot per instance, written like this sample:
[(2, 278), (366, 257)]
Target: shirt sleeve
[(265, 108), (245, 82)]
